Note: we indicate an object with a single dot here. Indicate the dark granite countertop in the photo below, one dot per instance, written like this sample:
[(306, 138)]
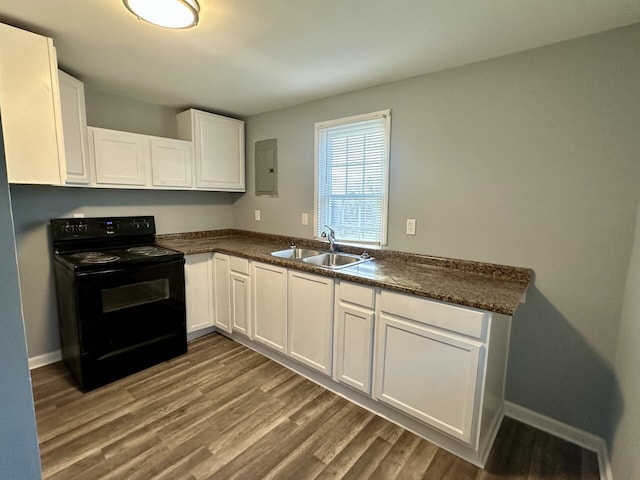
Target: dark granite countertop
[(485, 286)]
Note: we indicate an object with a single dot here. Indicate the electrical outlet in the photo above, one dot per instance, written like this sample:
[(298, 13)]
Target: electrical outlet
[(305, 219), (411, 226), (257, 215)]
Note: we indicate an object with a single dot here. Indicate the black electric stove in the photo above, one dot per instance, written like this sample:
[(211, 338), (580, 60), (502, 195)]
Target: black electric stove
[(121, 300)]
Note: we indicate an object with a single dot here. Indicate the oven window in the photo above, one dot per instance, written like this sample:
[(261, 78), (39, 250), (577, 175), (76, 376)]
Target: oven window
[(135, 294)]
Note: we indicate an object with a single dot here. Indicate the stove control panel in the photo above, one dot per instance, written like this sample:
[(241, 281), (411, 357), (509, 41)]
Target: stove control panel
[(101, 227)]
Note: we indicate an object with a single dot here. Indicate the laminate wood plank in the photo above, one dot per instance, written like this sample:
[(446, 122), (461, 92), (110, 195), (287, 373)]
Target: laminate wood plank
[(511, 453), (266, 453), (397, 456), (351, 453), (445, 465), (418, 461), (340, 436), (224, 411), (243, 435), (369, 460)]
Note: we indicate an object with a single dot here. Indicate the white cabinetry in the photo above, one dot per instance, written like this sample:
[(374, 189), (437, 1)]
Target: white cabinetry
[(74, 121), (240, 295), (353, 345), (119, 157), (198, 291), (429, 362), (219, 149), (31, 116), (171, 162), (269, 312), (143, 161), (310, 320), (222, 294)]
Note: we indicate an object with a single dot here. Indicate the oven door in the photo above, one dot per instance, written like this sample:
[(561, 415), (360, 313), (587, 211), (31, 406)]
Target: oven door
[(128, 309)]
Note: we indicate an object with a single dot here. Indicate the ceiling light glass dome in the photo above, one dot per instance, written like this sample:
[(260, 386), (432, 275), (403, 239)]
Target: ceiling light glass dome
[(166, 13)]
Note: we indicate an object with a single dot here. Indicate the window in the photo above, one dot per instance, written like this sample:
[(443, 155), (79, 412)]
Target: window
[(351, 177)]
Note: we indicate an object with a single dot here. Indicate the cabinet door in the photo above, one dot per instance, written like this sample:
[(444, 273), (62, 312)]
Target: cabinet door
[(171, 162), (219, 145), (222, 294), (428, 374), (354, 343), (310, 320), (240, 304), (31, 117), (269, 312), (197, 279), (119, 157), (74, 125)]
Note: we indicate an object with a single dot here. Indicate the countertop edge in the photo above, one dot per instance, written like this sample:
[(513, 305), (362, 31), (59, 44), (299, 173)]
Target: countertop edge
[(517, 276)]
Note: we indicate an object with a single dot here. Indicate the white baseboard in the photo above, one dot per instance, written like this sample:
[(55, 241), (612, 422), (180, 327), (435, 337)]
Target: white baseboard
[(45, 359), (566, 432)]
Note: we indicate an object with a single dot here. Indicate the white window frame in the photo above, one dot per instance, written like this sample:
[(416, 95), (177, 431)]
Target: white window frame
[(386, 114)]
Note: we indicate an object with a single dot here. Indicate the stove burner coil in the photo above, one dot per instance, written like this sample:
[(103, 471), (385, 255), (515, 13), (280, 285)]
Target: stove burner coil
[(95, 257), (149, 251)]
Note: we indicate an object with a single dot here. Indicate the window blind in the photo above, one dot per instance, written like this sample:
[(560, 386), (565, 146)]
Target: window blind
[(351, 177)]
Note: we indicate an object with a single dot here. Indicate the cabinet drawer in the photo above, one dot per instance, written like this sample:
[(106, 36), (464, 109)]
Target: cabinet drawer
[(356, 294), (239, 265), (450, 317)]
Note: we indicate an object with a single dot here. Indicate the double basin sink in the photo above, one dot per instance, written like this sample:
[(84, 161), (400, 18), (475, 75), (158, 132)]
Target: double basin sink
[(320, 258)]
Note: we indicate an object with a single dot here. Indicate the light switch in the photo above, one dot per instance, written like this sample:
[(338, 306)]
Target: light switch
[(411, 226), (257, 215), (305, 219)]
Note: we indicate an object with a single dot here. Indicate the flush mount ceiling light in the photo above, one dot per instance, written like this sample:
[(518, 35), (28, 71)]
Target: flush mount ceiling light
[(165, 13)]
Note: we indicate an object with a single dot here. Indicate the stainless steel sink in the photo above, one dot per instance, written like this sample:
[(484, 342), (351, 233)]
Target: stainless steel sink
[(296, 253), (335, 261)]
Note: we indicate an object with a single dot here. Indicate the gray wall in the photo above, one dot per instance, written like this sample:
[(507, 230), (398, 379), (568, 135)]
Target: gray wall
[(34, 206), (105, 110), (19, 457), (530, 160), (624, 454)]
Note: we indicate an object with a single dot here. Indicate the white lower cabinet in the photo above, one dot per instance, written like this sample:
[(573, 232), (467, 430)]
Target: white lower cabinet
[(432, 367), (221, 292), (240, 296), (310, 320), (353, 337), (430, 375), (269, 312), (198, 291), (428, 372)]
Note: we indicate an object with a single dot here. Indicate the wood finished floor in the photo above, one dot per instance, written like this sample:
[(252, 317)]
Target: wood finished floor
[(223, 411)]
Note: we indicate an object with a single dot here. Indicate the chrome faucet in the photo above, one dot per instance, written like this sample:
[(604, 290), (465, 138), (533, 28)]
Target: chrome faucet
[(331, 236)]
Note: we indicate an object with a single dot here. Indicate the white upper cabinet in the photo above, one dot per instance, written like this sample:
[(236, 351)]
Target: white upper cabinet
[(74, 120), (31, 117), (140, 161), (119, 157), (171, 162), (219, 149)]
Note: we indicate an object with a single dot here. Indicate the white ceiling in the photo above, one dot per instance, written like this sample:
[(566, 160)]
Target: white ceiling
[(252, 56)]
